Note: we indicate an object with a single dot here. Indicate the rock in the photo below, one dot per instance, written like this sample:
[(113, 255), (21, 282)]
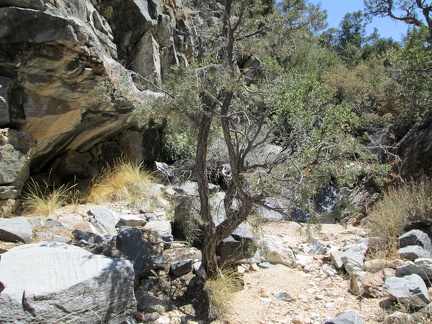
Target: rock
[(62, 239), (181, 267), (410, 290), (14, 165), (200, 271), (413, 252), (398, 318), (147, 59), (240, 245), (130, 220), (353, 257), (106, 219), (356, 282), (148, 303), (373, 283), (16, 229), (303, 260), (415, 237), (317, 247), (72, 165), (414, 149), (336, 258), (88, 237), (421, 267), (377, 265), (276, 252), (282, 295), (44, 281), (165, 173), (131, 243), (346, 318), (163, 228), (271, 214)]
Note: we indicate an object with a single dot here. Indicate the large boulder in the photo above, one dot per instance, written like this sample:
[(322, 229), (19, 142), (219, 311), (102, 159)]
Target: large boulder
[(54, 282), (14, 165), (61, 80), (410, 290), (421, 267), (132, 244), (415, 237), (415, 149), (15, 230)]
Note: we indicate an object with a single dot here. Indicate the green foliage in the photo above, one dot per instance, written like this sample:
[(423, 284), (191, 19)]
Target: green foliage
[(412, 69)]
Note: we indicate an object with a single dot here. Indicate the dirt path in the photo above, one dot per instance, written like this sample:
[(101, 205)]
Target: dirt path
[(316, 296)]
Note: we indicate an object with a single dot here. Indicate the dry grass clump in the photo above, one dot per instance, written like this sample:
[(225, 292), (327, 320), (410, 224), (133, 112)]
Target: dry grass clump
[(220, 289), (400, 206), (126, 181), (40, 199)]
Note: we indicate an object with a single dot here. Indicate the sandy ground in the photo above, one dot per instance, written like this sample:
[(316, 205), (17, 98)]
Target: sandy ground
[(316, 297)]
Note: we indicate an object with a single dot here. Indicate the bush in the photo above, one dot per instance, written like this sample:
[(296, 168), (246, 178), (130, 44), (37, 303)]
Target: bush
[(401, 206), (40, 199), (126, 181), (220, 289)]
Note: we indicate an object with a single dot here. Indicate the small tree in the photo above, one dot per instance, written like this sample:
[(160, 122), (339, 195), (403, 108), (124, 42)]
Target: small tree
[(235, 84)]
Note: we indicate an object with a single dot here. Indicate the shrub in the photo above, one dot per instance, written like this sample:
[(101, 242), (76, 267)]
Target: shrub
[(126, 181), (42, 200), (220, 289), (401, 206)]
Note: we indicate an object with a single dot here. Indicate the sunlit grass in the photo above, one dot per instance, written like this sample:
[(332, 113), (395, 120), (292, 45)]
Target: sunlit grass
[(126, 181), (40, 199), (220, 291), (407, 203)]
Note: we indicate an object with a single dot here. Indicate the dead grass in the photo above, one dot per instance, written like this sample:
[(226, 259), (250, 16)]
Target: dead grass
[(126, 181), (401, 205), (41, 199), (220, 290)]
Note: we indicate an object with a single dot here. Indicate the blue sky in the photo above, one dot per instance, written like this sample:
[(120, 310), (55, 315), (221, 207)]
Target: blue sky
[(336, 9)]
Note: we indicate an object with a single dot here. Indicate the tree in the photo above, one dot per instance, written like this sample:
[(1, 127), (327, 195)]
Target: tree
[(238, 84), (226, 86), (408, 11)]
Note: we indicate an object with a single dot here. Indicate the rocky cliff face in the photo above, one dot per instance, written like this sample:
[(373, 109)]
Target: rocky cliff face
[(55, 57)]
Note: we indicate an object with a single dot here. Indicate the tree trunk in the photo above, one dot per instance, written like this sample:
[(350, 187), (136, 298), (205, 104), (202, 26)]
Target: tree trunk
[(210, 241)]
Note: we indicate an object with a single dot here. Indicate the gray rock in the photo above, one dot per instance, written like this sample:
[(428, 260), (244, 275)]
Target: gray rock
[(163, 228), (16, 229), (88, 237), (62, 239), (336, 258), (346, 318), (131, 243), (148, 303), (14, 164), (317, 247), (240, 245), (415, 237), (353, 257), (413, 252), (410, 290), (283, 295), (181, 267), (130, 220), (277, 252), (54, 282), (199, 270), (421, 267), (106, 219)]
